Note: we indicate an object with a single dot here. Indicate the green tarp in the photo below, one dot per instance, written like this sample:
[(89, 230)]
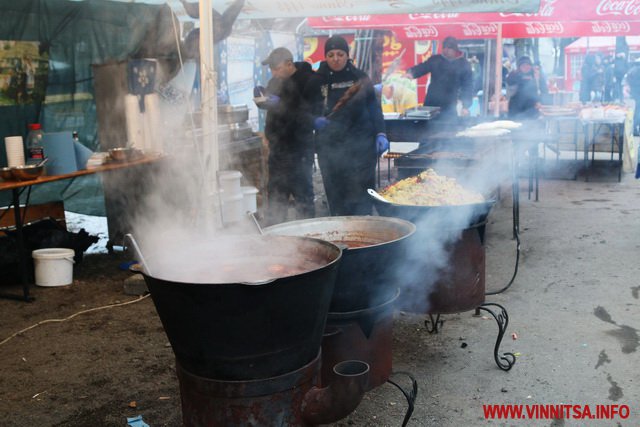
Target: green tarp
[(53, 83)]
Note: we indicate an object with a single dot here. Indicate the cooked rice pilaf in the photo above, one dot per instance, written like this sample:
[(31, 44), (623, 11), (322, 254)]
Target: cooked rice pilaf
[(430, 189)]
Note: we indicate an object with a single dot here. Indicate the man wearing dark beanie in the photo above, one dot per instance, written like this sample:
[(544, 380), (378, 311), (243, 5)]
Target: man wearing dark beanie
[(336, 42), (349, 129), (451, 79)]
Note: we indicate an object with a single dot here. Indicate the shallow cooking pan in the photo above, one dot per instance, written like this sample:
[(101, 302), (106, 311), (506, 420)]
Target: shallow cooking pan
[(460, 216)]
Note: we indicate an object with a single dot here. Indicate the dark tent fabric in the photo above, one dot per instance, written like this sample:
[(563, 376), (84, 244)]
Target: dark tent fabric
[(70, 36)]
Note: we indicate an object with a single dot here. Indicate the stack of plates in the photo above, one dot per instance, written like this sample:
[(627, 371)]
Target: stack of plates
[(482, 133), (497, 124)]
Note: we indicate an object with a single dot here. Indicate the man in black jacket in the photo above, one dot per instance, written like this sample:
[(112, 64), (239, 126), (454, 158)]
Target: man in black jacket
[(290, 137), (350, 131), (451, 79), (525, 89)]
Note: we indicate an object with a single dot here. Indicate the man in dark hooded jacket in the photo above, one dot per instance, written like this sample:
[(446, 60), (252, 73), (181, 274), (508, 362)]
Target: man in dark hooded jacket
[(451, 79), (633, 80), (350, 132), (525, 90), (290, 137)]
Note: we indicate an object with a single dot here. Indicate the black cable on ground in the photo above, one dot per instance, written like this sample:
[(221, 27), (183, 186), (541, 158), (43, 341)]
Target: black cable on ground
[(515, 270), (410, 396)]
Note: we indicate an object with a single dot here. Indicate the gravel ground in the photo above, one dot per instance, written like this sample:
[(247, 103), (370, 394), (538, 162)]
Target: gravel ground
[(573, 323)]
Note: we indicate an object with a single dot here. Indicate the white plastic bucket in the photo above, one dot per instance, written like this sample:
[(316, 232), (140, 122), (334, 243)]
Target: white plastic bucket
[(53, 266), (249, 196), (230, 183), (232, 208)]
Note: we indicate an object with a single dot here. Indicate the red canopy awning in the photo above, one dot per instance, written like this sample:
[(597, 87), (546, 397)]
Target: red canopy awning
[(487, 30), (556, 18)]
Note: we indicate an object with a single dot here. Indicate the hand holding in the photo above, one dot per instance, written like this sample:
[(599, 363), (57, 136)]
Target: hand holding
[(272, 101), (407, 74), (382, 143), (320, 123), (259, 91)]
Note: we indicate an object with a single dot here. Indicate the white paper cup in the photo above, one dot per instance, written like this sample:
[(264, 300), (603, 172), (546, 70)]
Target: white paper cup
[(15, 150)]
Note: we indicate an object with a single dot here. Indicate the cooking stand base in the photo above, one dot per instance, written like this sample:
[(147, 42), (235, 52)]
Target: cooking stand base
[(499, 313), (432, 324), (507, 360), (410, 395)]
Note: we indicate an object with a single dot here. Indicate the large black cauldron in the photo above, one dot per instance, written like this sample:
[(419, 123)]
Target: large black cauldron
[(445, 266), (244, 307), (373, 249)]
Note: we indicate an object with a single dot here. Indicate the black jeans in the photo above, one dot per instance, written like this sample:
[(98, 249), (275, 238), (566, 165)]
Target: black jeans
[(290, 176)]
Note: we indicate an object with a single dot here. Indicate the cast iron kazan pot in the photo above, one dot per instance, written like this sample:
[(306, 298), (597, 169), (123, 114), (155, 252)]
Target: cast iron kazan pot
[(373, 248), (445, 265), (243, 307)]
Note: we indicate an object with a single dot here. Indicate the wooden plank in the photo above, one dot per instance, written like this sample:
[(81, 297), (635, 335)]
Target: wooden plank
[(53, 210)]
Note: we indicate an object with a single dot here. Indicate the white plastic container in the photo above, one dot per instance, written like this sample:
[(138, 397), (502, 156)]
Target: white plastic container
[(14, 147), (250, 199), (230, 183), (53, 266), (232, 208)]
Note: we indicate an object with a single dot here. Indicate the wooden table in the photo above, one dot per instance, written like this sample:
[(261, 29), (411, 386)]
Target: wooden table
[(17, 187)]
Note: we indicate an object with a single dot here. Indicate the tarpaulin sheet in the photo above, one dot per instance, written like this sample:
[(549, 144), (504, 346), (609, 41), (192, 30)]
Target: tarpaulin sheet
[(48, 47)]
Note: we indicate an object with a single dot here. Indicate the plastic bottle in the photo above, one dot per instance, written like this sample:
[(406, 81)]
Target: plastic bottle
[(35, 149)]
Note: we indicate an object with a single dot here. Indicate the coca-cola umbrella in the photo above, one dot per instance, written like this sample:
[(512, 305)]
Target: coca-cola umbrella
[(566, 18), (555, 18)]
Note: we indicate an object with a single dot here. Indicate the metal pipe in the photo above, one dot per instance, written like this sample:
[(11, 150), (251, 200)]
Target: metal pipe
[(498, 86), (255, 221), (343, 395)]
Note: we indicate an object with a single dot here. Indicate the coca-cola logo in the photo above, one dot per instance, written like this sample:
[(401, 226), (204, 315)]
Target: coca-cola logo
[(431, 16), (333, 18), (358, 18), (471, 30), (608, 27), (423, 31), (537, 28), (547, 9), (618, 7), (347, 18)]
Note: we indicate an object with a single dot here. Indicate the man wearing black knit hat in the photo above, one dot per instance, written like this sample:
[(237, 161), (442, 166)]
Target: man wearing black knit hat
[(451, 79), (349, 127)]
